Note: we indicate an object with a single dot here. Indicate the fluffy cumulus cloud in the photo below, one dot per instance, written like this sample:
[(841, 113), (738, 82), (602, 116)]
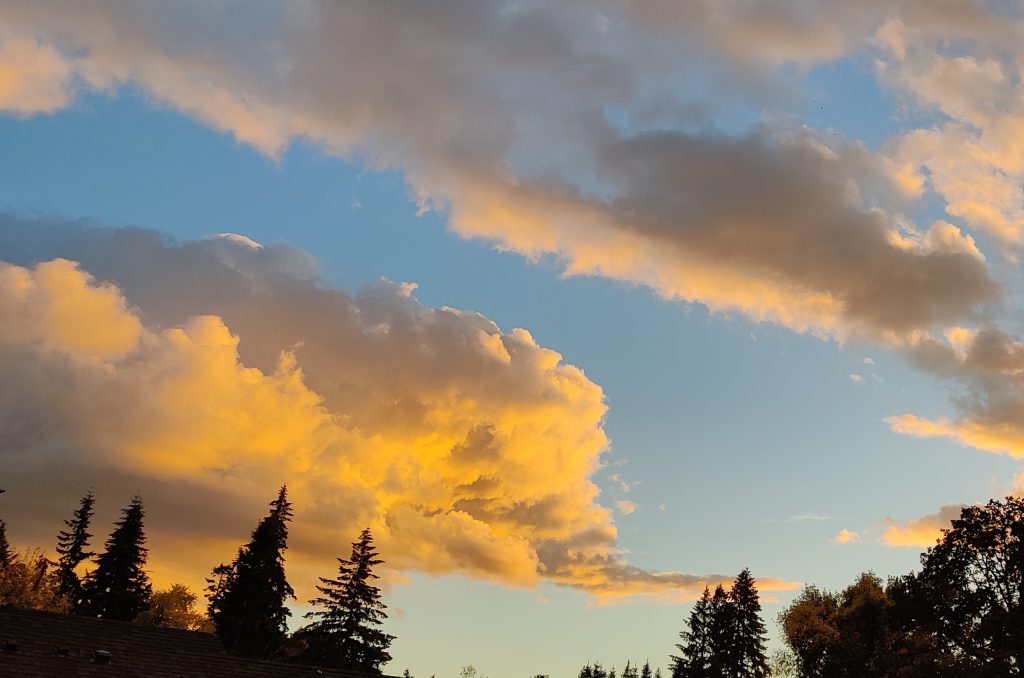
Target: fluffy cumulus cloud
[(612, 175), (208, 373)]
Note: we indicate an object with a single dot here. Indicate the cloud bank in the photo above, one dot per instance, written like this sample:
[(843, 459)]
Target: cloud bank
[(622, 171), (616, 176), (214, 370)]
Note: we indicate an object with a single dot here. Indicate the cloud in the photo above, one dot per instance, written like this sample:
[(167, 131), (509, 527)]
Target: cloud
[(845, 536), (205, 374), (772, 223), (922, 532), (34, 78), (989, 364), (612, 176), (625, 507), (856, 378)]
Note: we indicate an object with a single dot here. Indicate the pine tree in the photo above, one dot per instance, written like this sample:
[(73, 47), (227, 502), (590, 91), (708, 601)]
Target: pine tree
[(344, 634), (594, 670), (5, 547), (119, 587), (695, 651), (71, 547), (645, 672), (720, 634), (247, 597), (630, 671), (747, 654)]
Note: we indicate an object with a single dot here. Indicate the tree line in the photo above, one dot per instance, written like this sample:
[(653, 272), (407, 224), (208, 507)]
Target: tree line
[(960, 616), (247, 598)]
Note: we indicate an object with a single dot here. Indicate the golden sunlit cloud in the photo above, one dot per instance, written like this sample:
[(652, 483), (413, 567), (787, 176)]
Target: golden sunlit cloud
[(922, 532), (468, 450), (999, 438), (845, 536)]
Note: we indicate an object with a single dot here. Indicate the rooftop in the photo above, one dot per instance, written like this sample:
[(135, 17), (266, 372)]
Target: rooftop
[(45, 644)]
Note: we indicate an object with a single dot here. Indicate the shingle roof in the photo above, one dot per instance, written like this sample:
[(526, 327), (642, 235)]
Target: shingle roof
[(36, 644)]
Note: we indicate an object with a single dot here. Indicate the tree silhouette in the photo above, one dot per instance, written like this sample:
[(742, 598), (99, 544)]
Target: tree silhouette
[(721, 633), (5, 547), (971, 587), (71, 549), (745, 656), (247, 598), (594, 670), (645, 672), (866, 631), (345, 632), (694, 659), (119, 587)]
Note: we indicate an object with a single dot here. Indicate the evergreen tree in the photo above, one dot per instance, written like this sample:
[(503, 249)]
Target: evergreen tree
[(119, 587), (720, 631), (71, 549), (345, 633), (594, 670), (694, 660), (746, 658), (630, 671), (645, 672), (5, 547), (247, 597)]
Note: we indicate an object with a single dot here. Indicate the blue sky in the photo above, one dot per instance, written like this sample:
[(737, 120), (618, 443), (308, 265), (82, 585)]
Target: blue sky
[(740, 441)]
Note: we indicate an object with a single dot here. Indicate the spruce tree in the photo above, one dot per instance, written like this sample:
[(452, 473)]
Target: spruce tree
[(630, 671), (694, 658), (5, 547), (721, 634), (345, 633), (645, 672), (747, 654), (71, 549), (247, 598), (119, 587)]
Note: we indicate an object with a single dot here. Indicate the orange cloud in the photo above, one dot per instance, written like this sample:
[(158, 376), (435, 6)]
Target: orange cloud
[(467, 449), (846, 537), (922, 532)]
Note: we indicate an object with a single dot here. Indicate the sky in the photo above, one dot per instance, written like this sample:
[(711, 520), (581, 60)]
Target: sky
[(580, 306)]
